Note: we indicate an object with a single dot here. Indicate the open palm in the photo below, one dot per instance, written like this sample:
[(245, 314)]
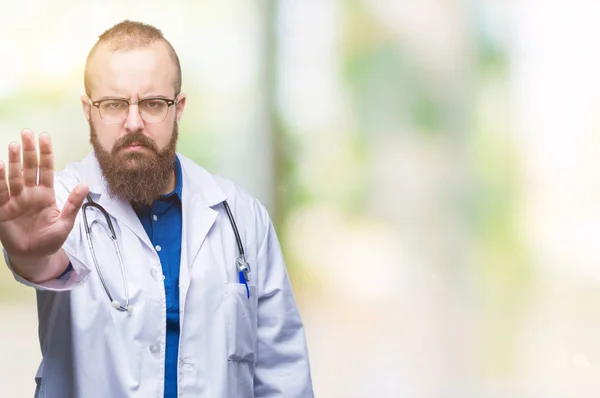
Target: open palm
[(31, 224)]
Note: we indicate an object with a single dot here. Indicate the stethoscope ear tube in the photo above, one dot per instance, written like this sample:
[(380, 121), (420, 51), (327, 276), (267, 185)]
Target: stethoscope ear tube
[(242, 265), (114, 303), (234, 226)]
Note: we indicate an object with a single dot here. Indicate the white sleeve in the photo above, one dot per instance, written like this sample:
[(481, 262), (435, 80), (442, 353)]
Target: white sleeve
[(75, 276), (78, 272), (282, 367)]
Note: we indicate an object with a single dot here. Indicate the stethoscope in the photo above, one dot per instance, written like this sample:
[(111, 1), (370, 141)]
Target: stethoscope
[(241, 264)]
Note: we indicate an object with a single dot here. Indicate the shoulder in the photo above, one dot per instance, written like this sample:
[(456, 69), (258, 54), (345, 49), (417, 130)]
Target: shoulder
[(66, 179), (85, 171), (216, 188)]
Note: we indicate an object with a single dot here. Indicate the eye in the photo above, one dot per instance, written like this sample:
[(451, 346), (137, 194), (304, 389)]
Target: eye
[(114, 105), (153, 104)]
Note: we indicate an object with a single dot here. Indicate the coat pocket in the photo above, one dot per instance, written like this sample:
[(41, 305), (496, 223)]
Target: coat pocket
[(241, 322)]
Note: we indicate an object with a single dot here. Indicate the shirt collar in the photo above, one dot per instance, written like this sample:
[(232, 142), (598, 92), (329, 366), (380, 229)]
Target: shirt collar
[(97, 184), (200, 184), (178, 181)]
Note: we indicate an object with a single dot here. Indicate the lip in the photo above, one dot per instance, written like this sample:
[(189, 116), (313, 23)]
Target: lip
[(133, 147)]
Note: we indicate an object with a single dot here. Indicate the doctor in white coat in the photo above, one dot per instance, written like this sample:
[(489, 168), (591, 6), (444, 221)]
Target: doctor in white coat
[(129, 317)]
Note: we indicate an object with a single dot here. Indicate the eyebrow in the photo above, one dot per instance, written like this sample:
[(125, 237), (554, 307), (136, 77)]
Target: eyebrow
[(110, 98), (128, 99)]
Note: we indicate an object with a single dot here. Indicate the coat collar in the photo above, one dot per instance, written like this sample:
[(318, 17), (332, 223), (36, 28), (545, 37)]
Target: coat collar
[(197, 182), (200, 194)]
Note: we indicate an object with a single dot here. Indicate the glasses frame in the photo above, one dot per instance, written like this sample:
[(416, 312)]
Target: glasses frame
[(169, 102)]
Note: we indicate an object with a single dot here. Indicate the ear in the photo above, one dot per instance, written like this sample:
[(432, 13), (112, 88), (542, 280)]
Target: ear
[(180, 105), (87, 107)]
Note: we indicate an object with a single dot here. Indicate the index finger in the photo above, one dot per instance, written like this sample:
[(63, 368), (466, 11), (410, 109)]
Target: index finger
[(46, 173)]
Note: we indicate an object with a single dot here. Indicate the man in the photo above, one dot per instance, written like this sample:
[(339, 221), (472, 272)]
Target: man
[(143, 289)]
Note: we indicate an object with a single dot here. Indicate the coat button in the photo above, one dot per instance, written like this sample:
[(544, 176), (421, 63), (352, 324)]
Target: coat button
[(155, 348), (156, 274)]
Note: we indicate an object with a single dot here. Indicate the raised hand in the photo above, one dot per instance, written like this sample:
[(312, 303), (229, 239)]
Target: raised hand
[(32, 227)]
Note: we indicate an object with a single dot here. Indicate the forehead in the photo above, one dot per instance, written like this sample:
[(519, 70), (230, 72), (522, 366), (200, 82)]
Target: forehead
[(136, 72)]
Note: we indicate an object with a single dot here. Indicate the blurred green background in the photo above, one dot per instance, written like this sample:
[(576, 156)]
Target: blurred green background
[(430, 167)]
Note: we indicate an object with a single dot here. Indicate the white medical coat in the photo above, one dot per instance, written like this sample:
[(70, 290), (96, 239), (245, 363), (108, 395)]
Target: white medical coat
[(230, 346)]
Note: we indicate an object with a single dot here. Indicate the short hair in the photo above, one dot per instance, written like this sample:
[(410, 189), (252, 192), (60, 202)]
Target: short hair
[(128, 35)]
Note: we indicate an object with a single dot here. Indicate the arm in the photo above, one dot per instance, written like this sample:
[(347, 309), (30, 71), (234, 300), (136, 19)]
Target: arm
[(74, 274), (39, 269), (282, 367)]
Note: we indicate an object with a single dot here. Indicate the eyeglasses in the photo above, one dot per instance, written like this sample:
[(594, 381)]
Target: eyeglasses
[(115, 110)]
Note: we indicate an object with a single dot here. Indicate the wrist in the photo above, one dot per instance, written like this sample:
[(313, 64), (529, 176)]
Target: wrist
[(39, 269)]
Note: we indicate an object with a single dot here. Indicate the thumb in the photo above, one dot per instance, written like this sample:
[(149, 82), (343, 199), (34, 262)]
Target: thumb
[(74, 203)]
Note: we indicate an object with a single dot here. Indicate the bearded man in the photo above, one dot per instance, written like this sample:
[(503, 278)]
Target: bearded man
[(154, 278)]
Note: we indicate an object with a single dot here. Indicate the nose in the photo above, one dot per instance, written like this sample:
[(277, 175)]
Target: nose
[(134, 122)]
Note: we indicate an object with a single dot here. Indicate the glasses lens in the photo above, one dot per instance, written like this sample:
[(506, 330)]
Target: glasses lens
[(153, 110), (114, 111)]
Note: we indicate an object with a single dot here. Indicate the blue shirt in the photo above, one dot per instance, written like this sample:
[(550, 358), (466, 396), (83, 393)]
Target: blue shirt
[(163, 224)]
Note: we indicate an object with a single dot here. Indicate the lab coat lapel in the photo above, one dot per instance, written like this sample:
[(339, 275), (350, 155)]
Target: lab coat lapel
[(200, 194), (198, 219), (125, 215)]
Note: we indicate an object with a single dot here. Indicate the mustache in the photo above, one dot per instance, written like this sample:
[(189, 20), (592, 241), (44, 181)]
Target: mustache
[(134, 138)]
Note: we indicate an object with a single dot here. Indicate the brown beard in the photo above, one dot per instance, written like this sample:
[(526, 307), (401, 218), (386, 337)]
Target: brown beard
[(136, 177)]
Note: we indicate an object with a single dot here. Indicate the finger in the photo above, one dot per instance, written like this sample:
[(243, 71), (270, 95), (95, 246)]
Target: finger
[(4, 194), (46, 172), (74, 203), (15, 173), (30, 159)]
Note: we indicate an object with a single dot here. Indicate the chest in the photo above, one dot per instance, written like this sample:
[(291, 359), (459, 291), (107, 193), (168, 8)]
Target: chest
[(196, 252)]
